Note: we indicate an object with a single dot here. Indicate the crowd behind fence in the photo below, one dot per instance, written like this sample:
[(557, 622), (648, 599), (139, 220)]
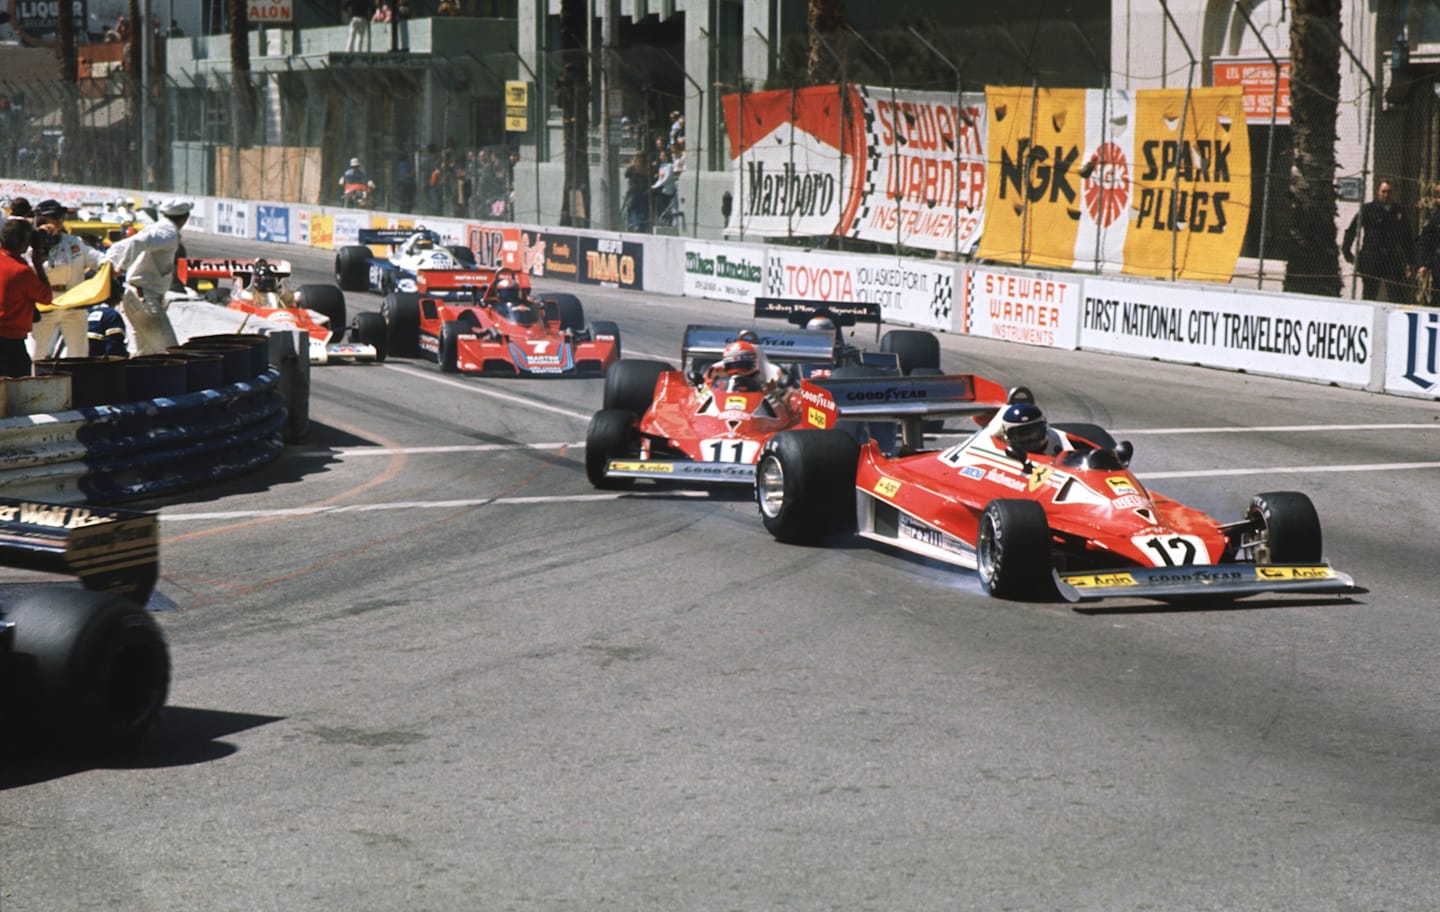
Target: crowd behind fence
[(431, 133)]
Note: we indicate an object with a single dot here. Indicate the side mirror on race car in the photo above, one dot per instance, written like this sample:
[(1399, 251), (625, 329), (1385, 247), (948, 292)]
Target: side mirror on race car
[(1123, 451)]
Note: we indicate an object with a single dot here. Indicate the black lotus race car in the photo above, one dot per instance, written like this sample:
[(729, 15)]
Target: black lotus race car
[(83, 669)]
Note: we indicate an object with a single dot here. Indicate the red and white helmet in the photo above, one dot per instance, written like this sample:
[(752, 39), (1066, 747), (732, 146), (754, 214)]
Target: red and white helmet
[(740, 359)]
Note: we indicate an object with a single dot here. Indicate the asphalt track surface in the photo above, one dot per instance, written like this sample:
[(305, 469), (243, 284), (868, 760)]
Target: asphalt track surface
[(420, 664)]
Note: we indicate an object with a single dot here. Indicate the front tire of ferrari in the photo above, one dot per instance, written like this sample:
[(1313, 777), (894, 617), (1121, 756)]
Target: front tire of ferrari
[(352, 268), (92, 668), (450, 346), (370, 329), (916, 348), (611, 435), (1012, 550), (630, 385), (328, 301), (1291, 527), (402, 324), (805, 485)]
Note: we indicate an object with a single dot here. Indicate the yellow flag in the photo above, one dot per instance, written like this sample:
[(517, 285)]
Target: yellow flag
[(91, 291)]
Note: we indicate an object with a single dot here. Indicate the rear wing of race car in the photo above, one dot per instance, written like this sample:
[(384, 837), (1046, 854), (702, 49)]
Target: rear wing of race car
[(192, 270), (705, 344), (391, 237), (800, 312), (110, 550), (434, 281), (902, 398)]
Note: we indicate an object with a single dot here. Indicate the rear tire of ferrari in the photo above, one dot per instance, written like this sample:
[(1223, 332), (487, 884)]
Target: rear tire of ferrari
[(916, 348), (805, 485), (91, 669), (352, 268), (1292, 527), (402, 323), (328, 301), (449, 346), (1012, 550), (370, 329), (630, 385), (611, 435)]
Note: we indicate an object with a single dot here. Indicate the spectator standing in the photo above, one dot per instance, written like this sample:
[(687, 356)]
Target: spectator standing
[(21, 288), (677, 127), (68, 262), (359, 39), (147, 260), (381, 16), (405, 183), (1427, 253), (355, 181), (637, 193), (401, 15), (449, 7), (1385, 246), (663, 190)]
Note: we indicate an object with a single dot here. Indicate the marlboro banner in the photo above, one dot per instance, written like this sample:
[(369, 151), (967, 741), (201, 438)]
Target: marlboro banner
[(899, 167), (1116, 181)]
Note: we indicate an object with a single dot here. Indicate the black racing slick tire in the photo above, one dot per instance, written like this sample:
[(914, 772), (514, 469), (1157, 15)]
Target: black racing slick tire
[(370, 329), (401, 311), (450, 346), (611, 435), (1012, 551), (463, 254), (352, 268), (91, 669), (569, 311), (805, 485), (1291, 527), (916, 348), (630, 385), (328, 301)]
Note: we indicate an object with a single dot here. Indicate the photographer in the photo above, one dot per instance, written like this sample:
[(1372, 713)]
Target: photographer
[(68, 262)]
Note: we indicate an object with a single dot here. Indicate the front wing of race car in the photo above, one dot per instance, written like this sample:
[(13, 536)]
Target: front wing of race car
[(339, 352), (683, 470), (1223, 580)]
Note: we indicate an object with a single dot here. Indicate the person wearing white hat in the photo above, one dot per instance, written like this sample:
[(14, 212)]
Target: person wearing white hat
[(147, 261), (68, 262), (355, 187)]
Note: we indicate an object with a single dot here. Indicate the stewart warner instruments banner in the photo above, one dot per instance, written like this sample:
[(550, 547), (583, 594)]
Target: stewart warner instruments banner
[(1133, 182), (1117, 181), (895, 166)]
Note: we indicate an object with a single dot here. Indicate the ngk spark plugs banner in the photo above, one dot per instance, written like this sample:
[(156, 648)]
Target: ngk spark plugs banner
[(1141, 184), (923, 180), (796, 159), (907, 292), (1029, 307), (873, 164), (1311, 338)]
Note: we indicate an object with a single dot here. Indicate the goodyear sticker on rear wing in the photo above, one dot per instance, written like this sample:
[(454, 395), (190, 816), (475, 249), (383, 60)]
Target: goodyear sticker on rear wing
[(1225, 581)]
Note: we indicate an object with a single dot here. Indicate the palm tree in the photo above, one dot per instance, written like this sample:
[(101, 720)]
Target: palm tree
[(1314, 87), (240, 99), (573, 88)]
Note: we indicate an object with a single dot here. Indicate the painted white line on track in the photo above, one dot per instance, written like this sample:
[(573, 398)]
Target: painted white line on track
[(493, 394), (1283, 429), (1295, 470), (427, 505), (348, 452)]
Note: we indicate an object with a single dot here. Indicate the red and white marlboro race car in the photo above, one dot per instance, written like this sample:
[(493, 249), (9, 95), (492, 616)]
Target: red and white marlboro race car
[(1072, 520), (488, 321), (262, 287)]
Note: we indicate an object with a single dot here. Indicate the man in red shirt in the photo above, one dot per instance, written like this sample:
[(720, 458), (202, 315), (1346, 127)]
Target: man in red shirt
[(21, 288)]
